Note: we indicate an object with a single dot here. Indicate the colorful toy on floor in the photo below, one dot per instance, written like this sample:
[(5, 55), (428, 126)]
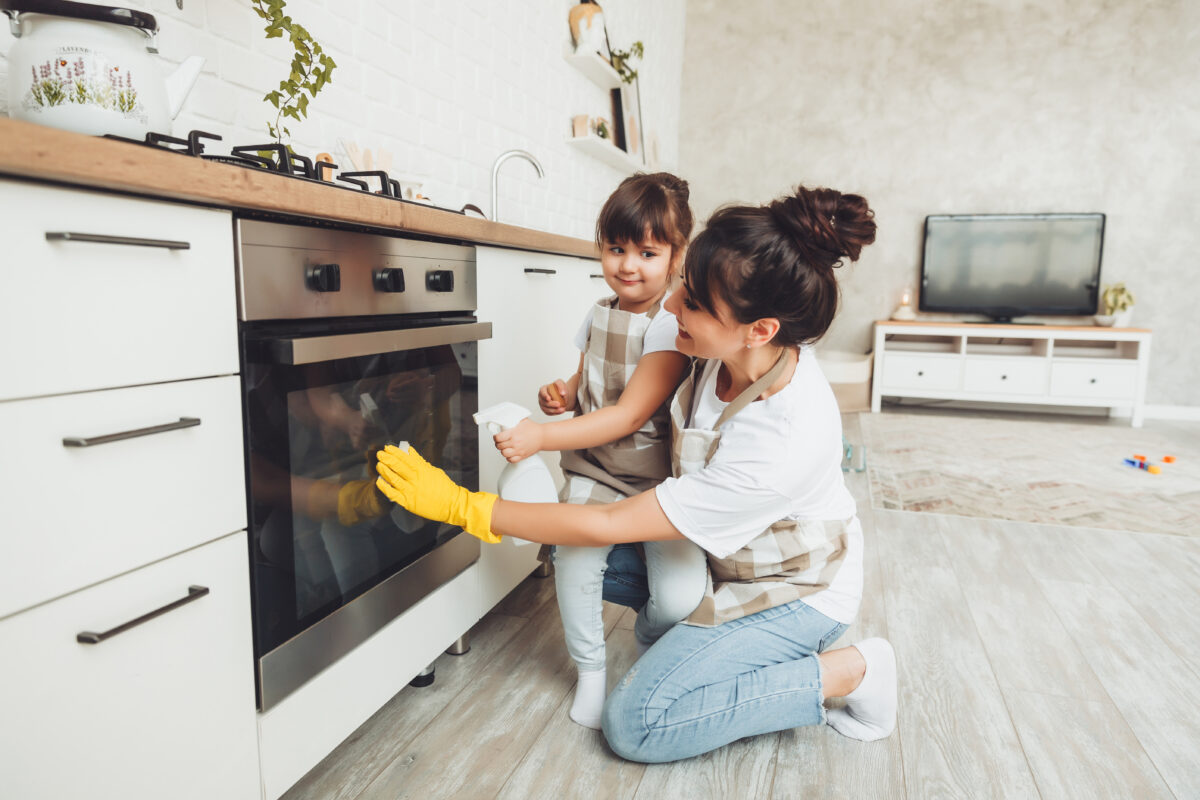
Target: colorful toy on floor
[(1168, 459), (1139, 461)]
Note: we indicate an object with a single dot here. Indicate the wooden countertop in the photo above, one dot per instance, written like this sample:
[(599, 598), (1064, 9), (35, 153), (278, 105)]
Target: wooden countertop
[(41, 153)]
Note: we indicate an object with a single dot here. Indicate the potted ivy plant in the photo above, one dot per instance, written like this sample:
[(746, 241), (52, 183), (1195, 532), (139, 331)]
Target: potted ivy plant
[(1116, 301)]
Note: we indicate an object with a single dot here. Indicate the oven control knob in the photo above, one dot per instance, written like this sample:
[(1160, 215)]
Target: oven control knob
[(390, 279), (439, 280), (324, 278)]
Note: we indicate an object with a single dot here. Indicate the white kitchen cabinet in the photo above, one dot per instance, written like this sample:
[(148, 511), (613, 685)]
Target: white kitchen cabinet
[(162, 709), (536, 303), (1036, 365), (90, 511), (102, 291), (123, 470)]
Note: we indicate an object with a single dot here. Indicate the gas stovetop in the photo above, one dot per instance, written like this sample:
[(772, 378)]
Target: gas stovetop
[(280, 161)]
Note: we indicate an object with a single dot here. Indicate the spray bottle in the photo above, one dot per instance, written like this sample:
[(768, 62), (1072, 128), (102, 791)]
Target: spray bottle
[(528, 480)]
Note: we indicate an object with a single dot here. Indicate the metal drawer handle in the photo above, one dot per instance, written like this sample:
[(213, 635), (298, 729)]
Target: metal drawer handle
[(99, 238), (540, 271), (88, 441), (597, 275), (194, 593)]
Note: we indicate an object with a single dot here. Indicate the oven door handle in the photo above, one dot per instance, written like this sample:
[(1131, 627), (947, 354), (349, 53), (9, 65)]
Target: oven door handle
[(311, 349)]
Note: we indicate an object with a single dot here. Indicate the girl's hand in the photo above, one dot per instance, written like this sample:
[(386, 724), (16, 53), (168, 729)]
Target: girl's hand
[(521, 441), (556, 398)]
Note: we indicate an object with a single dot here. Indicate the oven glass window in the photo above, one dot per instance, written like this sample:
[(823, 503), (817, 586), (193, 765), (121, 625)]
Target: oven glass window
[(322, 532)]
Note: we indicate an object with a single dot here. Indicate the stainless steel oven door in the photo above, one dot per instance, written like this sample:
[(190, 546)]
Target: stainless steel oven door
[(332, 560)]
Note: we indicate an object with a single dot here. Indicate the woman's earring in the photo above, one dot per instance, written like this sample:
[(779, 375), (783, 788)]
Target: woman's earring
[(747, 347)]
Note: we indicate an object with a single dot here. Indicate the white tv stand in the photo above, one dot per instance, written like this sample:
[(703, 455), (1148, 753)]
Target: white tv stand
[(1030, 364)]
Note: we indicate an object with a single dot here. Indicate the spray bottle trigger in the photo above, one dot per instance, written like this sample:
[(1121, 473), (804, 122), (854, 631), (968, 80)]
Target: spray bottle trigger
[(494, 428)]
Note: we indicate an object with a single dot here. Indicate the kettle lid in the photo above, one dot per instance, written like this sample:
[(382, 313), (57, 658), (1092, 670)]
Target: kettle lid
[(67, 8)]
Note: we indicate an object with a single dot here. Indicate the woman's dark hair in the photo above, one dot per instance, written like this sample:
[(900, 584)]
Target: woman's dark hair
[(778, 260), (656, 203)]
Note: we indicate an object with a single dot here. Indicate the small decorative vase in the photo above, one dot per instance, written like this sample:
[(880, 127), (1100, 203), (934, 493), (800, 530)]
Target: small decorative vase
[(587, 28), (1104, 320), (1122, 319)]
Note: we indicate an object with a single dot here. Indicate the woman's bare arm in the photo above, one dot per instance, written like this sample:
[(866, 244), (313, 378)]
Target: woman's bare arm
[(636, 519)]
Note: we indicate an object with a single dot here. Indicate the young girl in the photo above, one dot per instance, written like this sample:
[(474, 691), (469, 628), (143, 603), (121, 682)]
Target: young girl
[(756, 453), (617, 445)]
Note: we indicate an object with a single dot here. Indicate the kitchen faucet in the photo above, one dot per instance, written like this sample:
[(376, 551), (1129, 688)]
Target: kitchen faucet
[(500, 159)]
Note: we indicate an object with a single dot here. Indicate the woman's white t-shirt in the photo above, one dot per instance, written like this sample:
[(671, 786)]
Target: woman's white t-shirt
[(659, 336), (778, 458)]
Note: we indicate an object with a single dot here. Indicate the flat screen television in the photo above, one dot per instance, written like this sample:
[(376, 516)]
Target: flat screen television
[(1012, 265)]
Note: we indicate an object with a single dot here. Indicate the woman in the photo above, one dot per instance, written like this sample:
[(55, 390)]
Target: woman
[(757, 483)]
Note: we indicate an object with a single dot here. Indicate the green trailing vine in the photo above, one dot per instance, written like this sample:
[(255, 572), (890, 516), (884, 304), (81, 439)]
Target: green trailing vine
[(310, 70), (621, 61)]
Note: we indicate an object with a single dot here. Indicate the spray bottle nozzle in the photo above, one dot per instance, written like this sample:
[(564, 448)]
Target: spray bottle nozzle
[(501, 416)]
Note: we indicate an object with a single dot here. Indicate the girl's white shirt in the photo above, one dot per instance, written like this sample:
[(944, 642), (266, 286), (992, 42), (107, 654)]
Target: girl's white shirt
[(659, 336), (778, 458)]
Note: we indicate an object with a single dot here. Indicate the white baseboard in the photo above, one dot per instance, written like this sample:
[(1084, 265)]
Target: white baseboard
[(1152, 411), (1172, 412)]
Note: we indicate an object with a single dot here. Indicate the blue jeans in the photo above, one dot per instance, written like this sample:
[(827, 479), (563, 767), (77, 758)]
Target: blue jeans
[(698, 689)]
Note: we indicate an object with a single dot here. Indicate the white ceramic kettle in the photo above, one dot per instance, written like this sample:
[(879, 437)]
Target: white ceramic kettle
[(91, 69)]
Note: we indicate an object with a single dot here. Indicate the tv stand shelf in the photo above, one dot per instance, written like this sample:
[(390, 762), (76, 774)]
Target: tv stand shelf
[(997, 363)]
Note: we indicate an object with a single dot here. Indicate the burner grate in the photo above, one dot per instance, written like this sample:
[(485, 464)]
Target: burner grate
[(280, 161)]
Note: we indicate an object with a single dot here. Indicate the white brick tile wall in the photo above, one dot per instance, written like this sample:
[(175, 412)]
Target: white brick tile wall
[(443, 85)]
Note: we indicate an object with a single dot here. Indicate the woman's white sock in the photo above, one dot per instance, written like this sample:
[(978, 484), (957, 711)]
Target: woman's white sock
[(589, 697), (870, 711)]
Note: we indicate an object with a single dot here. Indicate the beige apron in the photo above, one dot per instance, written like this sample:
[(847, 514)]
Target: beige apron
[(638, 462), (789, 560), (641, 460)]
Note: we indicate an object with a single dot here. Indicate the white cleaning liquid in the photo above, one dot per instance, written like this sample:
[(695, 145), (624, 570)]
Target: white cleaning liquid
[(528, 480)]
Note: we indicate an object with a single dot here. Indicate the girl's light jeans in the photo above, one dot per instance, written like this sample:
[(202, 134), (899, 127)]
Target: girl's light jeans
[(671, 582), (698, 689)]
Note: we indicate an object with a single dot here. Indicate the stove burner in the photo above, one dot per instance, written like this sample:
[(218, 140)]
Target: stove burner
[(280, 161)]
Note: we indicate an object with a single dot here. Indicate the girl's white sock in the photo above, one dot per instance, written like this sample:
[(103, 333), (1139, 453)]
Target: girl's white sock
[(870, 711), (589, 697)]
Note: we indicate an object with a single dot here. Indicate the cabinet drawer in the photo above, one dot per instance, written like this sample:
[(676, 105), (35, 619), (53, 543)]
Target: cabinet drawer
[(1006, 375), (81, 315), (163, 709), (87, 513), (1098, 380), (922, 372)]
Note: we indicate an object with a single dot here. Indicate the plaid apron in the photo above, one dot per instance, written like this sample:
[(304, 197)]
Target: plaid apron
[(641, 460), (789, 560)]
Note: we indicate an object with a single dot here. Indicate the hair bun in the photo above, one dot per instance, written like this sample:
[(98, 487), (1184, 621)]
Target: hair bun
[(825, 224)]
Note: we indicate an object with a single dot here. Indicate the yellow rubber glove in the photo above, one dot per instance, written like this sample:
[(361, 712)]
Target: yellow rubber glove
[(412, 482), (357, 501)]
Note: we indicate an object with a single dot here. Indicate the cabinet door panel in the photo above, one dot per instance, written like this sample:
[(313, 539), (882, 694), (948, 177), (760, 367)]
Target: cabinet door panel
[(88, 513), (536, 303), (79, 314), (922, 372), (164, 709), (1094, 380), (1006, 376)]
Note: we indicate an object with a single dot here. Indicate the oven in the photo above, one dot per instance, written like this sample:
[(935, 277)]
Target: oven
[(349, 340)]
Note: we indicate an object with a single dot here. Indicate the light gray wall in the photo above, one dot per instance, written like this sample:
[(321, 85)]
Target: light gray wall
[(973, 106)]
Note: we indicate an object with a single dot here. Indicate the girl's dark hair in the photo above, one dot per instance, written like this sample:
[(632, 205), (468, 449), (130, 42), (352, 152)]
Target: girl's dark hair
[(777, 260), (656, 203)]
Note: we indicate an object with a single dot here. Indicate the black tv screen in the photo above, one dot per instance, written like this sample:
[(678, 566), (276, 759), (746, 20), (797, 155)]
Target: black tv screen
[(1012, 265)]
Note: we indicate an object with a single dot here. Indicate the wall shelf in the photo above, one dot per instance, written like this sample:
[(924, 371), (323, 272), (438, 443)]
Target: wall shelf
[(593, 65), (604, 150)]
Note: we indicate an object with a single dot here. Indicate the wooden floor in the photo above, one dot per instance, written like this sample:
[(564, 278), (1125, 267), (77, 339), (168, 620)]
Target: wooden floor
[(1035, 661)]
